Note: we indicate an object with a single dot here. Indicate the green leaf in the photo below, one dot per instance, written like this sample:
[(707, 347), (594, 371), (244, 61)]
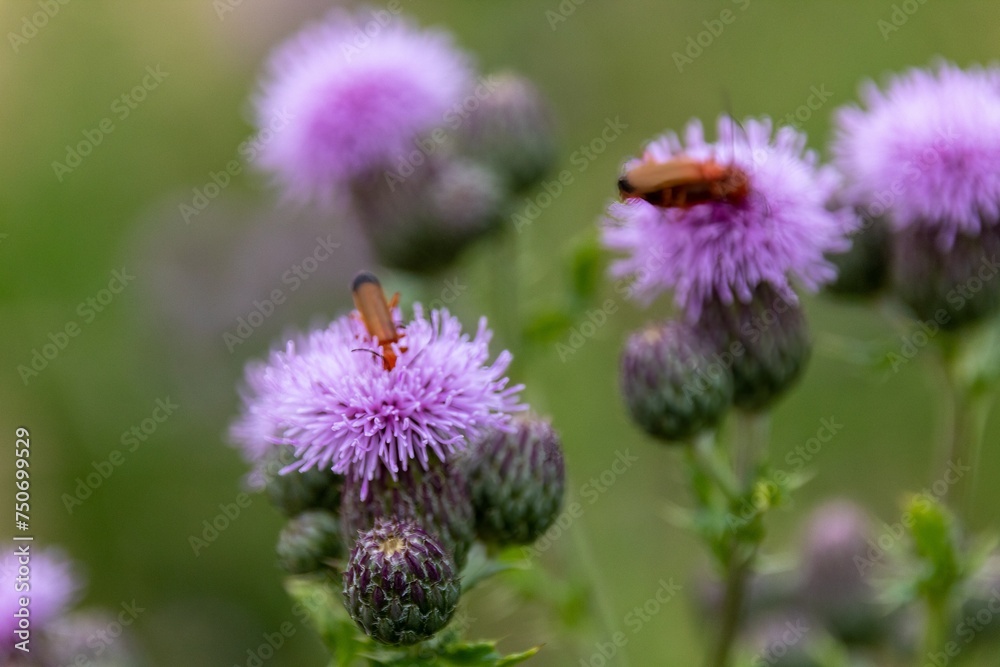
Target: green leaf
[(454, 654), (334, 625), (518, 658)]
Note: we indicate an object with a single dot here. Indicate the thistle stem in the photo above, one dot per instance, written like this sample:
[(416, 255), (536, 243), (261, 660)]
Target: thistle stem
[(937, 626), (970, 406), (737, 575), (704, 456), (750, 444)]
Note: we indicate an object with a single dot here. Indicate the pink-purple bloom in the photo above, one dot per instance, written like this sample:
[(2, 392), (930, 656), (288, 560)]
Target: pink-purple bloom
[(352, 94), (53, 586), (926, 150), (331, 396), (723, 251)]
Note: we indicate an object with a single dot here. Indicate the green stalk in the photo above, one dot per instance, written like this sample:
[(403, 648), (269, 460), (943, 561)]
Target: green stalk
[(970, 400), (935, 634), (704, 457), (739, 551), (750, 444), (970, 410), (737, 575)]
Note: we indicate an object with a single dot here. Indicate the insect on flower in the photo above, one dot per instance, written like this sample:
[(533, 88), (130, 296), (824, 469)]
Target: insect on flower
[(376, 313), (684, 182)]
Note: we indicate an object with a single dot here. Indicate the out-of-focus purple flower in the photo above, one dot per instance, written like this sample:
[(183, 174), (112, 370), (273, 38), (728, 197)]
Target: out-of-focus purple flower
[(54, 585), (722, 251), (330, 395), (351, 94), (926, 150)]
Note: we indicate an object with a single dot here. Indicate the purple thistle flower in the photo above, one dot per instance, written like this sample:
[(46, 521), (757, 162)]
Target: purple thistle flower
[(54, 586), (338, 101), (723, 251), (927, 150), (330, 396)]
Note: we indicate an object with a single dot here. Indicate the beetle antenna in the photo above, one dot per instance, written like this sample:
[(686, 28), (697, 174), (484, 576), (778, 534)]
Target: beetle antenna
[(364, 349)]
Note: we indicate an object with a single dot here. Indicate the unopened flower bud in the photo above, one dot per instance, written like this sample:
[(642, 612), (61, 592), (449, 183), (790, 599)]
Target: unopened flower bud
[(421, 220), (766, 341), (954, 287), (673, 384), (295, 492), (400, 585), (517, 481), (309, 542), (864, 269), (511, 129), (436, 499)]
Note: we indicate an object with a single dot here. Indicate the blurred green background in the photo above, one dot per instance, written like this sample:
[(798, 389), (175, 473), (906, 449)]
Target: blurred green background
[(162, 336)]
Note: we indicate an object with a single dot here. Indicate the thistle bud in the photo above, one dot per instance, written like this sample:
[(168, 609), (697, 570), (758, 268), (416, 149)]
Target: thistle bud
[(766, 343), (511, 130), (421, 221), (835, 588), (785, 639), (954, 287), (864, 269), (400, 585), (517, 481), (295, 492), (309, 542), (673, 384), (436, 499)]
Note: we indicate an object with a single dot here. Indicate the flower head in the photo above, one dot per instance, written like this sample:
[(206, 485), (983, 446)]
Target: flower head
[(400, 586), (722, 250), (350, 94), (926, 149), (331, 395), (54, 586)]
